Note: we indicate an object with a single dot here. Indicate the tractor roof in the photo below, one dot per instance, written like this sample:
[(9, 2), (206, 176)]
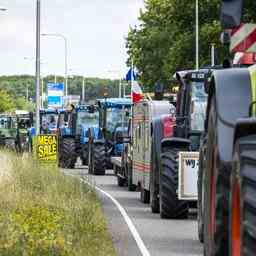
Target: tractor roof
[(48, 111), (115, 102)]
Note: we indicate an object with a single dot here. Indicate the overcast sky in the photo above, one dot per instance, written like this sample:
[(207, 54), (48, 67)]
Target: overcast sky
[(95, 30)]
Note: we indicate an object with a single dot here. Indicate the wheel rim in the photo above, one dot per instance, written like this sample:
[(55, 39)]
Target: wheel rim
[(236, 227)]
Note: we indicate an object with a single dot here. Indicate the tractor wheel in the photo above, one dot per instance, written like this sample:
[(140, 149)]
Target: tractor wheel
[(242, 236), (67, 157), (170, 206), (98, 159), (154, 187), (200, 200), (216, 200), (121, 181), (144, 196)]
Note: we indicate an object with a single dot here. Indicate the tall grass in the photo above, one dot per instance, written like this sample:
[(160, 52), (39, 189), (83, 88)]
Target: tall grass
[(43, 212)]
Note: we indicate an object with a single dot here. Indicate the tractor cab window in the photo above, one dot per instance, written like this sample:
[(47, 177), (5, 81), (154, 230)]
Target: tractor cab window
[(198, 106), (88, 119), (116, 117)]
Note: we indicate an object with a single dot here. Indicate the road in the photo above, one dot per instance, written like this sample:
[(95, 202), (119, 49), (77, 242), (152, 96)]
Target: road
[(160, 237)]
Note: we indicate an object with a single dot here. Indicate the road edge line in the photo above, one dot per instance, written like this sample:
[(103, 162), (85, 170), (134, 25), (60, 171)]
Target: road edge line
[(143, 249)]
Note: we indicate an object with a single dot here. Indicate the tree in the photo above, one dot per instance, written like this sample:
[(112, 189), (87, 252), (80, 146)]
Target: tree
[(165, 40), (6, 102)]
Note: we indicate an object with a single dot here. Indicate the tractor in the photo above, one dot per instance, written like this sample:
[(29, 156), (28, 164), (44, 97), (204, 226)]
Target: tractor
[(16, 131), (25, 131), (8, 131), (73, 134), (107, 141), (228, 157), (176, 141)]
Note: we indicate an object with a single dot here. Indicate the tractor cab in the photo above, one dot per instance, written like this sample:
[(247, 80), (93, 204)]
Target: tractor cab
[(191, 105), (114, 119), (8, 129), (25, 130)]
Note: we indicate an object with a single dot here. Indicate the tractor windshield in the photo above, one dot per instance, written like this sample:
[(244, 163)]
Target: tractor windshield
[(117, 117), (87, 118), (198, 106), (7, 122)]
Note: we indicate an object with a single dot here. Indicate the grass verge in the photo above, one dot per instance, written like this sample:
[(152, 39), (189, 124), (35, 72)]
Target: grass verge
[(43, 212)]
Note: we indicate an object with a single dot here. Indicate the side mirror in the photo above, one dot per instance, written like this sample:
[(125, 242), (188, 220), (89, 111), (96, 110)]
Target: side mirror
[(231, 13)]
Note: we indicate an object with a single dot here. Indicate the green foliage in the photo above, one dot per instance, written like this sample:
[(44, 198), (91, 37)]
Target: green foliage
[(6, 102), (18, 87), (46, 213), (165, 40)]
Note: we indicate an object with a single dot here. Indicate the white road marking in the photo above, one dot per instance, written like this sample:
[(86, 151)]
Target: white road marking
[(144, 251)]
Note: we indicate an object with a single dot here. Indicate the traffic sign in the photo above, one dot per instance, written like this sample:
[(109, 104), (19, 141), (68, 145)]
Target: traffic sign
[(55, 94)]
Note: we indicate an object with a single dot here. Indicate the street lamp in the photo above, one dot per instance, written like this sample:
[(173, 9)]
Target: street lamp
[(66, 57), (197, 36)]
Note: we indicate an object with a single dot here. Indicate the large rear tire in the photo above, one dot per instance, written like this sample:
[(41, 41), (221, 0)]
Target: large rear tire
[(200, 189), (170, 206), (242, 236), (67, 151), (99, 159), (216, 193)]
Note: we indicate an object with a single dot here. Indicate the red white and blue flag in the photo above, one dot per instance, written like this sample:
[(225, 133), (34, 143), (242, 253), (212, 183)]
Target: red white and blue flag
[(136, 91)]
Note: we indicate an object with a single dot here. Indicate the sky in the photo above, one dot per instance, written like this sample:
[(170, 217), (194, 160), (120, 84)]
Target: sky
[(95, 31)]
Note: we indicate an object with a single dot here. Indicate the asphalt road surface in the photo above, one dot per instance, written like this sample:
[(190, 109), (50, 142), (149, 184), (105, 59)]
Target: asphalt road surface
[(160, 237)]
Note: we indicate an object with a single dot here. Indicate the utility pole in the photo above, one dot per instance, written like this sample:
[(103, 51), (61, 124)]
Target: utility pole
[(83, 90), (197, 36), (120, 88), (213, 55), (38, 28)]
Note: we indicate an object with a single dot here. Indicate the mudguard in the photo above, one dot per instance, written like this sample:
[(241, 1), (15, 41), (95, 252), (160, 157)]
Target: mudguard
[(244, 127), (232, 89), (168, 142)]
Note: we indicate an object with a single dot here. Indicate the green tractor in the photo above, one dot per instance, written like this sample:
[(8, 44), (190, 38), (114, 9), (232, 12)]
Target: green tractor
[(8, 131), (228, 155)]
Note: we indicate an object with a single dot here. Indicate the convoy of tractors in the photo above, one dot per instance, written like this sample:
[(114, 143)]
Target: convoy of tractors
[(197, 152)]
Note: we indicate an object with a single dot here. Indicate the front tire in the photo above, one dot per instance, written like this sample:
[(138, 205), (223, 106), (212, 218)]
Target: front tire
[(170, 206), (67, 151), (98, 159)]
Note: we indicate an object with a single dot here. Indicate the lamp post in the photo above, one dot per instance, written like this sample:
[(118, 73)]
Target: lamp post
[(197, 36), (38, 28), (66, 57)]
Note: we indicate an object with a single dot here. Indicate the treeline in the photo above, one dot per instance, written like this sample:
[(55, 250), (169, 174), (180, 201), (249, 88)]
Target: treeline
[(18, 91), (164, 42)]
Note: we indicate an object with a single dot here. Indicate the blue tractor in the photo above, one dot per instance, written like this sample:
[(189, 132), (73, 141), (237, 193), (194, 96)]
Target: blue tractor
[(106, 140), (72, 134)]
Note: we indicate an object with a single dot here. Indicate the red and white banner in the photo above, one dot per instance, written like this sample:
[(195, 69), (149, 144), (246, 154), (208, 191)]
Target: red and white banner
[(243, 38), (137, 94)]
